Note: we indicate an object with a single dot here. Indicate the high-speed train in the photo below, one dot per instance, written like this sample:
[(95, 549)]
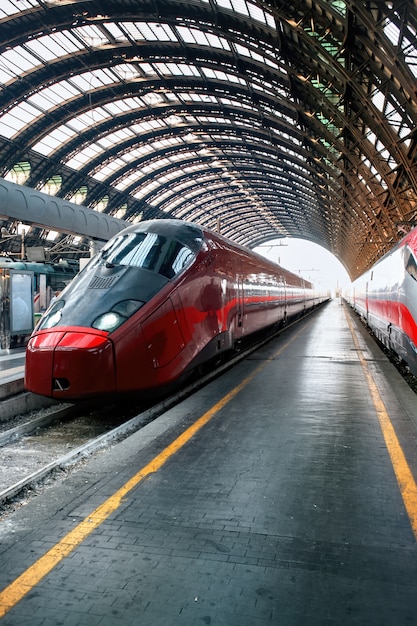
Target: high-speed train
[(160, 298), (386, 297)]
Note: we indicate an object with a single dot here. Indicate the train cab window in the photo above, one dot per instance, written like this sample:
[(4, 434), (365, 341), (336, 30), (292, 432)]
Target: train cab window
[(411, 265), (136, 250), (177, 257)]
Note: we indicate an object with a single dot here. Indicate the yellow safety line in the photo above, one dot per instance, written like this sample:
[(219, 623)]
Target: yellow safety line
[(22, 585), (405, 478)]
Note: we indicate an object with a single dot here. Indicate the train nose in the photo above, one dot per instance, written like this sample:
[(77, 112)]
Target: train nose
[(68, 364)]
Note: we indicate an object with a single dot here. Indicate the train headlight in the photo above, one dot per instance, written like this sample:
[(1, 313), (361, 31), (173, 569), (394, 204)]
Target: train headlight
[(52, 317), (108, 321), (119, 313)]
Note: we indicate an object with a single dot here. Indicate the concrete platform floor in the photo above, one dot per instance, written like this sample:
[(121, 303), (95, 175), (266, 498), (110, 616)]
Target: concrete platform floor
[(282, 493)]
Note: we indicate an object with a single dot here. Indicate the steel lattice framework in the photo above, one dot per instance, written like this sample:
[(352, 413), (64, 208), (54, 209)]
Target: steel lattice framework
[(271, 118)]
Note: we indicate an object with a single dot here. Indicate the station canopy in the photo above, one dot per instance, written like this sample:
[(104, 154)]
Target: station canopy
[(265, 119)]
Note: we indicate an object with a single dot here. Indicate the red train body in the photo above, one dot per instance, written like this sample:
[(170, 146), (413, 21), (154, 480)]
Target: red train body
[(161, 298)]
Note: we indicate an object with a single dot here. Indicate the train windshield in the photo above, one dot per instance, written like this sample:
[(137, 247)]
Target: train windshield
[(135, 249), (149, 251)]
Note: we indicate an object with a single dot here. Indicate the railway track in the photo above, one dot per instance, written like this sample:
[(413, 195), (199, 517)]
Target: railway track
[(49, 444)]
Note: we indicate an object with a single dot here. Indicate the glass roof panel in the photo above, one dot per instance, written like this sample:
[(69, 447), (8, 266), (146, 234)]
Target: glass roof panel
[(40, 50), (84, 121), (197, 36), (14, 121), (17, 61), (54, 140), (247, 9), (52, 96), (92, 36), (89, 80), (151, 31)]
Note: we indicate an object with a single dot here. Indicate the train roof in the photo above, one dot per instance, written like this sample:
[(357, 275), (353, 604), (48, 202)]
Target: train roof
[(192, 235), (188, 234)]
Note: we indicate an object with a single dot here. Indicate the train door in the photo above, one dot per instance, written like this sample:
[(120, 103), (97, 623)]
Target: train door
[(367, 296), (240, 301), (283, 289)]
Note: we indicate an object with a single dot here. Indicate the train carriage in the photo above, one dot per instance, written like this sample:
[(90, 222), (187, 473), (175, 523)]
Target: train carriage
[(161, 298), (386, 297)]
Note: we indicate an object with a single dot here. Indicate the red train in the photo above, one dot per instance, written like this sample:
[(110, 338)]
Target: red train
[(161, 298), (386, 297)]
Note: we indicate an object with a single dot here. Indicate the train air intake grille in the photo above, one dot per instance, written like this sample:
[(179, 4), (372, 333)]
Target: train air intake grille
[(100, 282)]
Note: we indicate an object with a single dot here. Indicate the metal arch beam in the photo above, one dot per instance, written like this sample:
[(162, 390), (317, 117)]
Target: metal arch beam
[(101, 129), (84, 60), (274, 149), (235, 130), (339, 131), (40, 209), (86, 102), (21, 27), (158, 47)]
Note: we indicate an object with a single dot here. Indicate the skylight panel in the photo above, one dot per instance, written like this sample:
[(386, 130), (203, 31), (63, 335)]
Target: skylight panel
[(144, 191), (44, 52), (256, 12), (409, 49), (197, 36), (85, 120), (128, 181), (152, 99), (249, 10), (14, 121), (157, 164), (54, 140), (52, 96), (167, 194), (10, 8), (6, 74), (378, 100), (50, 47), (166, 143), (18, 60), (142, 151), (108, 169), (219, 75), (172, 97), (118, 136), (136, 154), (90, 80), (147, 126), (393, 33), (151, 31), (91, 36), (240, 6), (127, 71), (176, 69), (123, 106), (82, 157), (116, 32)]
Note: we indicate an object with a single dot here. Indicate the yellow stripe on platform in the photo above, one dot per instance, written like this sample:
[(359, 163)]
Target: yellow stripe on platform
[(405, 478)]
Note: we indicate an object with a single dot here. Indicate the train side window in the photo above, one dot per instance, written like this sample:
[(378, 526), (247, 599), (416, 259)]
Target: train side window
[(411, 266), (176, 259)]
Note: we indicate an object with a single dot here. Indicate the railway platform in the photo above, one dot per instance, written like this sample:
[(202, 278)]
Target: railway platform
[(13, 398), (281, 493), (12, 365)]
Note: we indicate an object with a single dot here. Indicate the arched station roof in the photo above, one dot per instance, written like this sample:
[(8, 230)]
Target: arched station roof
[(269, 117)]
